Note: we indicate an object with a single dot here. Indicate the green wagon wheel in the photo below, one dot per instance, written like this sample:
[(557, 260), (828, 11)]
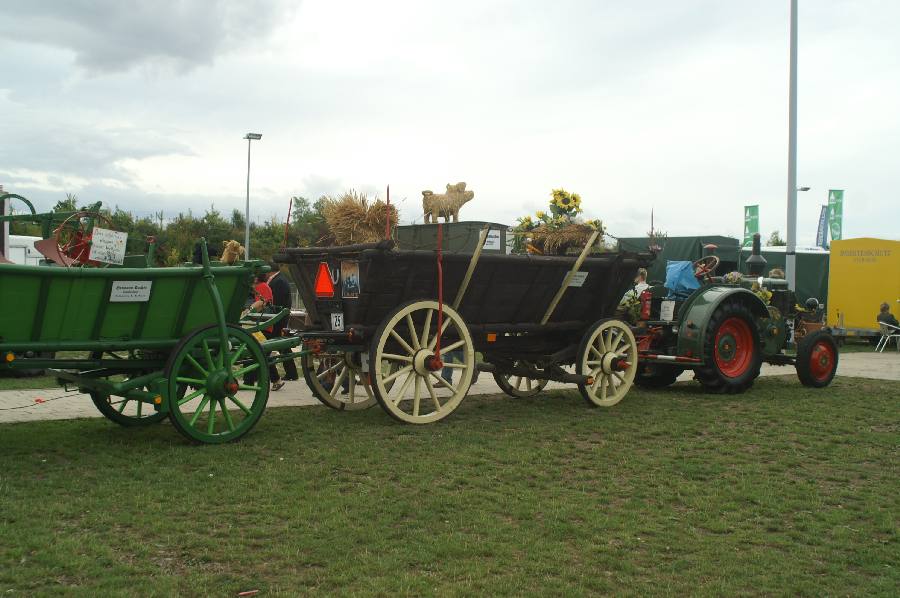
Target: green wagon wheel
[(406, 381), (121, 410), (205, 380), (337, 381), (608, 353), (519, 387)]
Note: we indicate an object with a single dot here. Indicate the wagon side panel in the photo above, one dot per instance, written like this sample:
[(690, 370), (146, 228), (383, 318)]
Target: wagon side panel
[(21, 293)]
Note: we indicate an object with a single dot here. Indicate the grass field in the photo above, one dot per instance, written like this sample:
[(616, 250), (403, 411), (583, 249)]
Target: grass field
[(783, 490)]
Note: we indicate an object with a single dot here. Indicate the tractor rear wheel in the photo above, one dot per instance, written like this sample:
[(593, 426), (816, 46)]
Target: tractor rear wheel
[(731, 350), (817, 359)]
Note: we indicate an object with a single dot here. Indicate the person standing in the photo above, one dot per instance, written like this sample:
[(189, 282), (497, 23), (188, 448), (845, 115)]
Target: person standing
[(281, 299), (262, 299)]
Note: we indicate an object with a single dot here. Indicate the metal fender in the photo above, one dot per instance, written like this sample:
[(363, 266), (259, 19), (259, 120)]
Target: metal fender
[(696, 312)]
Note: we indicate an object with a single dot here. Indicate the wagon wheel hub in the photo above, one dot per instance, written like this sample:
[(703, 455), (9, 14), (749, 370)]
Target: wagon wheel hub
[(613, 362), (426, 361), (219, 384)]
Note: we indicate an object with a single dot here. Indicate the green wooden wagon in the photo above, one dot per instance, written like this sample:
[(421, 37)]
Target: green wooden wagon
[(146, 343)]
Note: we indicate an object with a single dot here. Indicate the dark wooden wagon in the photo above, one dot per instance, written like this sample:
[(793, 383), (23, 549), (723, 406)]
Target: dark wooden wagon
[(373, 325)]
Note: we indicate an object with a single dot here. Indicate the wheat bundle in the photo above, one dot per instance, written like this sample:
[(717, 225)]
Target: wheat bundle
[(352, 219), (558, 241)]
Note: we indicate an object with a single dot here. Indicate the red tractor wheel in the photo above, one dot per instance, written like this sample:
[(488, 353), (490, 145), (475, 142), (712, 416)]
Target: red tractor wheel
[(731, 354), (817, 359)]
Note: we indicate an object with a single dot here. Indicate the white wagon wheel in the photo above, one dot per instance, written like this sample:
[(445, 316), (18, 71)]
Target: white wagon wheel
[(337, 381), (519, 386), (415, 392), (608, 354)]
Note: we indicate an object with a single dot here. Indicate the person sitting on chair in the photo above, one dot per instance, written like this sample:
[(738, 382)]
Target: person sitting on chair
[(886, 317)]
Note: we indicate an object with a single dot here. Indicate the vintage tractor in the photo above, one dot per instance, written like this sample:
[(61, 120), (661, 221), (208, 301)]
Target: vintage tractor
[(726, 327)]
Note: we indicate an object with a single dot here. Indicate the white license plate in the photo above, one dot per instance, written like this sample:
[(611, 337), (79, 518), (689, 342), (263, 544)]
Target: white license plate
[(337, 321)]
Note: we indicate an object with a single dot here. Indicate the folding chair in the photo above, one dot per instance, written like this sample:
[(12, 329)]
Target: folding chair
[(888, 332)]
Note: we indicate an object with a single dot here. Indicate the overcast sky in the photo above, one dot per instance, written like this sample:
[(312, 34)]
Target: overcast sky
[(679, 106)]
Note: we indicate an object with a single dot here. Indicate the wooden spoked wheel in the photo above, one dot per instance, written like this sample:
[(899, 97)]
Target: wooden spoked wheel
[(519, 387), (407, 379), (204, 380), (608, 354), (121, 410), (338, 381)]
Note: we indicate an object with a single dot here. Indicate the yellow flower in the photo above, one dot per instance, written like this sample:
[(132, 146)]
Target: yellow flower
[(540, 214), (563, 201)]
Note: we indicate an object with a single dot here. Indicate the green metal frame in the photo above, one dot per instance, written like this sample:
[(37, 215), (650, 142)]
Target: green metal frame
[(47, 220)]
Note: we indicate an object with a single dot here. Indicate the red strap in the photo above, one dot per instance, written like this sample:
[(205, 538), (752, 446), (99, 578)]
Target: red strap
[(440, 281)]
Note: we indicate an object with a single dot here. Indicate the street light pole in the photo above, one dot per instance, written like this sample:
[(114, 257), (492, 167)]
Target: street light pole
[(249, 137), (790, 260)]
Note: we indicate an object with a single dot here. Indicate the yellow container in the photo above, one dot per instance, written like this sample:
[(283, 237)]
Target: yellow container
[(863, 273)]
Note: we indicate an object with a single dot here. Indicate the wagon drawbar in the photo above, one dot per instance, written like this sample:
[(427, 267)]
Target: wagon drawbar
[(373, 333)]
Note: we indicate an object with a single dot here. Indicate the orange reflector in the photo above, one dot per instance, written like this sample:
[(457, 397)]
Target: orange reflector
[(10, 358), (157, 399), (324, 286), (590, 380), (492, 337)]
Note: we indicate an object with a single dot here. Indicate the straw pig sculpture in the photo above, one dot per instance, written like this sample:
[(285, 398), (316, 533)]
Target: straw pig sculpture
[(446, 204)]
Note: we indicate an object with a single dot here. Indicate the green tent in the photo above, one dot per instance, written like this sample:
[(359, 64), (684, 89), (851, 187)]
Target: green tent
[(685, 248), (812, 266)]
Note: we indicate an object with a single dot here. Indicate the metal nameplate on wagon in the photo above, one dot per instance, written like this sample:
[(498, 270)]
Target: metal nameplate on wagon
[(130, 291)]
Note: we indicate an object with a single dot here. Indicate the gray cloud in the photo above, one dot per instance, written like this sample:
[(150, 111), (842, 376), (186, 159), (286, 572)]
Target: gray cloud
[(44, 142), (111, 35)]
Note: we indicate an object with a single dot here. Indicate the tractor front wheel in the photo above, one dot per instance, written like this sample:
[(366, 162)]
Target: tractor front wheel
[(817, 359), (731, 351)]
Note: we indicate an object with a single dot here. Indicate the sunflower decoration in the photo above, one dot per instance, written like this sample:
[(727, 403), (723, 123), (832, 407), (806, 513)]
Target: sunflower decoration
[(556, 231), (564, 203)]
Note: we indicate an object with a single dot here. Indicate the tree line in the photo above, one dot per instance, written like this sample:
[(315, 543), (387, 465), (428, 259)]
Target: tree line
[(177, 237)]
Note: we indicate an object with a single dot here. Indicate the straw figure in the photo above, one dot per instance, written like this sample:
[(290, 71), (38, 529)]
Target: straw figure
[(351, 218), (445, 204), (231, 252)]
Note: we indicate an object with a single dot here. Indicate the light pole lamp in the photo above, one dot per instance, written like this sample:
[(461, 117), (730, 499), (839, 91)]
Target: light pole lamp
[(250, 137)]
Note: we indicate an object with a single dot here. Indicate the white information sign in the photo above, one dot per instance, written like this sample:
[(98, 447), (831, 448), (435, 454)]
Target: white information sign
[(108, 246), (130, 291), (667, 311), (492, 241), (578, 279), (337, 321)]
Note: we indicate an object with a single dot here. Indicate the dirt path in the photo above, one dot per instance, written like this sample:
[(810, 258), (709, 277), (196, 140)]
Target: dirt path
[(54, 403)]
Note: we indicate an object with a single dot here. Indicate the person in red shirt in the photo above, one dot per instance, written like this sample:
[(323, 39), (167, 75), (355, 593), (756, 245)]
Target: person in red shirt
[(262, 294)]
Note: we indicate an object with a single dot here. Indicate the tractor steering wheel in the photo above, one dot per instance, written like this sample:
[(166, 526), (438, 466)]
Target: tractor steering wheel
[(705, 266)]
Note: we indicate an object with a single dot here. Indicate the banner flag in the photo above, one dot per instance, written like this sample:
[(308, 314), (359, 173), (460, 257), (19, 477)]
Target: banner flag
[(835, 213), (751, 224), (822, 233)]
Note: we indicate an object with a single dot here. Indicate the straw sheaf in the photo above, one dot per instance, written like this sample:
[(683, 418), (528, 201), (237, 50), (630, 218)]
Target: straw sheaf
[(560, 240), (352, 219)]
